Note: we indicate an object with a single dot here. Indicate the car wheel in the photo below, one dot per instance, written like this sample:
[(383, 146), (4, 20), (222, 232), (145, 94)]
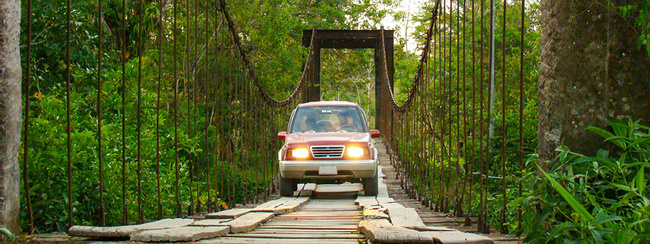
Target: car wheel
[(287, 187), (371, 186)]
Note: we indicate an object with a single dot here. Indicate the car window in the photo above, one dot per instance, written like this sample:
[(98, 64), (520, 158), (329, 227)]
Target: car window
[(327, 119)]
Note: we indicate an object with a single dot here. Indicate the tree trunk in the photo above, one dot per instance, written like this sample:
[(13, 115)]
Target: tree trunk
[(10, 115), (591, 72)]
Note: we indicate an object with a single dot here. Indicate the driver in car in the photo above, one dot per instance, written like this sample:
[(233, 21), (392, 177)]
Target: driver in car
[(345, 122), (308, 122)]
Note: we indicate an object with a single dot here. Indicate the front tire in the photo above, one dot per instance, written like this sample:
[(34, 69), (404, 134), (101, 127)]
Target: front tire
[(371, 186), (287, 186)]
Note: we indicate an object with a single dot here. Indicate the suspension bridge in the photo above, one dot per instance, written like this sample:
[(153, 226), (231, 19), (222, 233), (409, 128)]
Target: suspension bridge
[(211, 173)]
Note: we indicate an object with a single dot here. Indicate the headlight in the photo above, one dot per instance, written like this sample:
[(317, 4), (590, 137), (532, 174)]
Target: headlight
[(300, 153), (355, 152)]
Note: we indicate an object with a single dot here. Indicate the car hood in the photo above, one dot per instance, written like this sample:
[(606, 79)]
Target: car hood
[(328, 138)]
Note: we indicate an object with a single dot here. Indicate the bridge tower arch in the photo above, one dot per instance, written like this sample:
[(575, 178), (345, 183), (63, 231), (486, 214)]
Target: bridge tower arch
[(355, 39)]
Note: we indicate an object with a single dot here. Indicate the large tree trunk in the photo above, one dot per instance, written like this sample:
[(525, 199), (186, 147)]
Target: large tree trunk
[(591, 72), (10, 116)]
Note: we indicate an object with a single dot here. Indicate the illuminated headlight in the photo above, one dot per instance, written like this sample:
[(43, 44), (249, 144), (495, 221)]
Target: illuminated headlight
[(300, 153), (355, 152)]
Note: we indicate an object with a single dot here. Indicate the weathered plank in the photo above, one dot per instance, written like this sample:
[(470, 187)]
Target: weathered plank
[(374, 214), (338, 188), (277, 240), (385, 200), (383, 190), (350, 227), (126, 231), (248, 222), (366, 202), (210, 222), (228, 214), (282, 205), (381, 231), (453, 237), (404, 217), (315, 223), (271, 205), (322, 213), (300, 236), (290, 206), (306, 231), (185, 233), (431, 228)]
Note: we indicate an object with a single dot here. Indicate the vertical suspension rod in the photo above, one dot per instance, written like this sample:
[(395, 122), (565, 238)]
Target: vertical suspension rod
[(68, 128), (139, 126), (160, 64), (28, 78), (504, 228), (102, 213)]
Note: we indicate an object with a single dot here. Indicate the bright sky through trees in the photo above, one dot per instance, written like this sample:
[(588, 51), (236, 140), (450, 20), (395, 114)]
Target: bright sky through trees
[(402, 22)]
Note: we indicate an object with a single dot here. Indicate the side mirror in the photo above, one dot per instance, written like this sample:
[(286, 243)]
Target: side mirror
[(374, 133), (282, 135)]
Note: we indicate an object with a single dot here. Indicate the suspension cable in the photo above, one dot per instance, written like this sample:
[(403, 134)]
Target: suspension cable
[(427, 45), (269, 100)]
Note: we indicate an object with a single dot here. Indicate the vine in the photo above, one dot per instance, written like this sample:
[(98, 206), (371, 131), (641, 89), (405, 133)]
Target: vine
[(641, 14)]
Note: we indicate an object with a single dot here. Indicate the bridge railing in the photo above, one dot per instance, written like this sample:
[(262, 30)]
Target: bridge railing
[(141, 110), (457, 140)]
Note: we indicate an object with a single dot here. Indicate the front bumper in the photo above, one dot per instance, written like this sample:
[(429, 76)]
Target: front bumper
[(346, 169)]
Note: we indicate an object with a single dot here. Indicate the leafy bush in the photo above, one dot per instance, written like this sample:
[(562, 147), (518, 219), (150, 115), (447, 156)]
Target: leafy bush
[(592, 199)]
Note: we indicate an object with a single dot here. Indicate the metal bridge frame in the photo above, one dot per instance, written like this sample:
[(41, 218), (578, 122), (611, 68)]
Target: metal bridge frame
[(354, 39)]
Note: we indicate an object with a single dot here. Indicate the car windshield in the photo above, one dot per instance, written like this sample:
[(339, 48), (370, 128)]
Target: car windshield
[(327, 119)]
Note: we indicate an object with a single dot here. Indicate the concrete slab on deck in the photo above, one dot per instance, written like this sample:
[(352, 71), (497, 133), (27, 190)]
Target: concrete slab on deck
[(228, 214), (181, 234), (128, 230)]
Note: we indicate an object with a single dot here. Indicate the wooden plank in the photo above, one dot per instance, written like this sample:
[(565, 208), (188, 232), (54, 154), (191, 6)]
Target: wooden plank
[(300, 236), (337, 188), (385, 200), (369, 199), (248, 222), (240, 240), (311, 227), (228, 214), (431, 228), (306, 190), (318, 219), (332, 207), (126, 231), (405, 217), (381, 231), (290, 206), (181, 234), (305, 231), (453, 237), (271, 205), (316, 223), (365, 202), (210, 222), (392, 205), (440, 220), (322, 213), (374, 214)]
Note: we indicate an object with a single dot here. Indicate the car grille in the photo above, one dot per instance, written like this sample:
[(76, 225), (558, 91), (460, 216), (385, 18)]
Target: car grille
[(327, 151)]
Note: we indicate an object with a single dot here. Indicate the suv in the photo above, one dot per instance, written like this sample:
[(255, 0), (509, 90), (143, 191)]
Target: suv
[(328, 142)]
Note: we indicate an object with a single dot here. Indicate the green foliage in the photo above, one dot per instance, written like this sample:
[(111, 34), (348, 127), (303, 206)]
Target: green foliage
[(600, 199), (640, 14), (271, 33), (456, 79)]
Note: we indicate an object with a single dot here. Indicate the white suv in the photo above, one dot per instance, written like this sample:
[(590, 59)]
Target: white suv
[(328, 142)]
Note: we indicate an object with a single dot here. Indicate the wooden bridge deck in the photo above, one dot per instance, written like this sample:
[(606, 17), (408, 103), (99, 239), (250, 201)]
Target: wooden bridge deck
[(329, 215), (318, 221)]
